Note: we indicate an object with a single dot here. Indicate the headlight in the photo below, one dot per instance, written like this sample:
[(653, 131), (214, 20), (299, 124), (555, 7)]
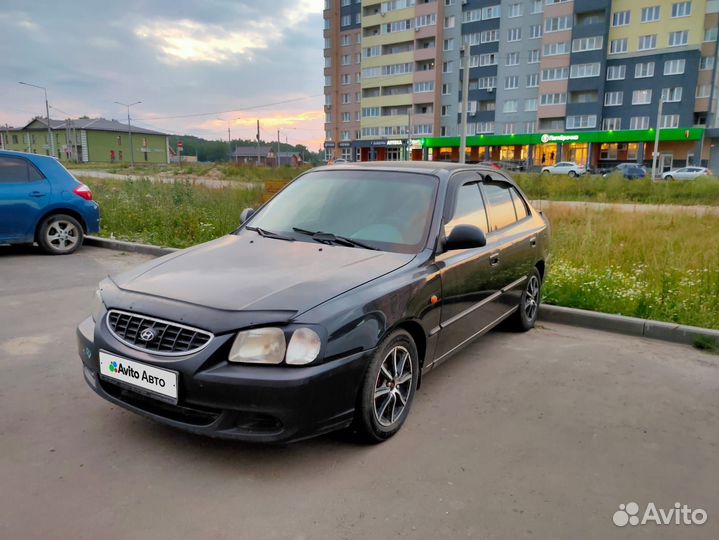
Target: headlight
[(98, 306), (304, 347), (259, 346)]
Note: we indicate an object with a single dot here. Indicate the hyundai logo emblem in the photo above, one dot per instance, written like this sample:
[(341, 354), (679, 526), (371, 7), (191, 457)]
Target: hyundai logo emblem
[(148, 334)]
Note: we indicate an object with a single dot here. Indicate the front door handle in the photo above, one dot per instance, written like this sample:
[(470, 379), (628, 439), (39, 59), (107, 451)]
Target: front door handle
[(494, 259), (533, 241), (37, 194)]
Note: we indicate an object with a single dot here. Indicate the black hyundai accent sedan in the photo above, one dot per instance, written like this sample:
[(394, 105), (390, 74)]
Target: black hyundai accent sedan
[(325, 308)]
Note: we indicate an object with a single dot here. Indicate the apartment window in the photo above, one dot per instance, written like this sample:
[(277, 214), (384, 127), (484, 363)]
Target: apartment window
[(710, 34), (472, 15), (613, 99), (669, 121), (491, 12), (611, 124), (533, 56), (672, 94), (706, 62), (346, 59), (328, 61), (489, 36), (639, 122), (533, 80), (370, 52), (537, 6), (509, 128), (471, 107), (345, 99), (489, 59), (704, 91), (554, 49), (555, 74), (371, 112), (647, 42), (650, 14), (681, 9), (581, 71), (616, 73), (535, 31), (510, 106), (422, 129), (515, 10), (446, 89), (448, 44), (617, 46), (425, 20), (346, 40), (511, 82), (674, 67), (486, 82), (553, 99), (447, 67), (621, 18), (485, 127), (679, 38), (712, 6), (328, 80), (327, 24), (514, 34), (346, 117), (370, 132), (449, 21), (487, 105), (641, 97), (644, 69), (582, 121), (530, 104), (512, 59), (587, 44), (346, 20), (346, 78), (423, 86), (530, 127), (557, 24)]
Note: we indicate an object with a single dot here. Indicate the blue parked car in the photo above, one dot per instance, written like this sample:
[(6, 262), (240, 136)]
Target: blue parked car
[(40, 201)]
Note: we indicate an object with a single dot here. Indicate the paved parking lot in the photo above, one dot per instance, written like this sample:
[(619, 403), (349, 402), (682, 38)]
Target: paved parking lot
[(543, 434)]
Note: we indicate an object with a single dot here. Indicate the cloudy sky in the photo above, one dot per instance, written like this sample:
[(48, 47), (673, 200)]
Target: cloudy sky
[(179, 57)]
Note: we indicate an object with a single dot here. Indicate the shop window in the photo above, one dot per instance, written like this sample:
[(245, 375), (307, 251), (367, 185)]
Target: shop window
[(608, 151), (632, 151)]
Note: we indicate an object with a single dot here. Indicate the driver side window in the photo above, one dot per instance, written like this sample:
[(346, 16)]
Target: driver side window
[(468, 209)]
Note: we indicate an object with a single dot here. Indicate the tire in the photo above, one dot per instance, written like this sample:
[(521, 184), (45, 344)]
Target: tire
[(545, 171), (377, 416), (669, 177), (60, 235), (525, 317), (572, 174)]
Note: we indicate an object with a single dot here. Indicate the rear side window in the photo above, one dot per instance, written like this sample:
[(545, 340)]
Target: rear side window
[(468, 209), (501, 206), (14, 170), (520, 207)]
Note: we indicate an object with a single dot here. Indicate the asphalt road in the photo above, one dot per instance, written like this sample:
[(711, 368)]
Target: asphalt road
[(543, 434)]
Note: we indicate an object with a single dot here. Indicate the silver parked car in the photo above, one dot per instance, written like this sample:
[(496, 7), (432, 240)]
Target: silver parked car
[(686, 173), (565, 167)]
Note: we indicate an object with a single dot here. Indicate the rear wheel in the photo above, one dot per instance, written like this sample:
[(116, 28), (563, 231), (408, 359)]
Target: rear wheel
[(60, 235), (526, 315), (669, 177), (572, 174), (388, 388)]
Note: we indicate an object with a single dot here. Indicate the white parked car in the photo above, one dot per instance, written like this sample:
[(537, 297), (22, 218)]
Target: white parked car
[(686, 173), (565, 167)]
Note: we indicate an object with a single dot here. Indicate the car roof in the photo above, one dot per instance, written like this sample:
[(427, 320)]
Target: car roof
[(29, 155), (422, 167)]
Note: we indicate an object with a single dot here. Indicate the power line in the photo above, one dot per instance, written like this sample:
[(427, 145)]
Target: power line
[(253, 107)]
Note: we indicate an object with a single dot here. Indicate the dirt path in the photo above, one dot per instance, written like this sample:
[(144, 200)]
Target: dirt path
[(215, 183), (697, 210)]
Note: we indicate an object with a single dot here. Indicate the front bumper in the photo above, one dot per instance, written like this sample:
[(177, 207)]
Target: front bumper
[(219, 399)]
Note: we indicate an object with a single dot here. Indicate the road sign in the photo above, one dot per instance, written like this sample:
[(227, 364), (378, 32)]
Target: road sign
[(180, 145)]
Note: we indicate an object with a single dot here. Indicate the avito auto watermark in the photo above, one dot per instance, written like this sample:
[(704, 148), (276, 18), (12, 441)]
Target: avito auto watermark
[(679, 514)]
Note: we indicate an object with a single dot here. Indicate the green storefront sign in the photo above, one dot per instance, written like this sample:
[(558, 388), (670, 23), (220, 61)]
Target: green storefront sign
[(621, 136)]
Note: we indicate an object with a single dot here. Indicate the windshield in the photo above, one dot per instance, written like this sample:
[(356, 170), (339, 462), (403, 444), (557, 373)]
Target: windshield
[(390, 211)]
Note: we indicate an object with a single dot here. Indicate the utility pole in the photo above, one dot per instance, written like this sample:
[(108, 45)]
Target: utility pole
[(50, 142), (655, 155), (258, 143), (129, 130), (465, 104), (278, 148)]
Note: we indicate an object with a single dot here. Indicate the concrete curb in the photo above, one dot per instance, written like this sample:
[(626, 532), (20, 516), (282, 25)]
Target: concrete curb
[(619, 324), (132, 247), (631, 326)]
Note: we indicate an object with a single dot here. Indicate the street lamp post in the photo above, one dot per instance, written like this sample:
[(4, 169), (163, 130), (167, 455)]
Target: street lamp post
[(655, 155), (50, 142), (129, 129)]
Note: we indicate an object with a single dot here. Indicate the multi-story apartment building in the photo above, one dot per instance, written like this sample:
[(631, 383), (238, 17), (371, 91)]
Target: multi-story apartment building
[(589, 81)]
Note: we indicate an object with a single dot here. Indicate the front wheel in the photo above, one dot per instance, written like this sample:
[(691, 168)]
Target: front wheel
[(669, 177), (388, 388), (60, 235), (526, 315), (572, 174)]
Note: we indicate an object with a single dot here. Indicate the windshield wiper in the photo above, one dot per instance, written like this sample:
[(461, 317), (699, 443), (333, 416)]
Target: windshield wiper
[(331, 238), (269, 234)]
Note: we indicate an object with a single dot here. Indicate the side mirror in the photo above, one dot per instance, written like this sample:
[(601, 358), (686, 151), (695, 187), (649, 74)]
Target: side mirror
[(465, 237), (246, 214)]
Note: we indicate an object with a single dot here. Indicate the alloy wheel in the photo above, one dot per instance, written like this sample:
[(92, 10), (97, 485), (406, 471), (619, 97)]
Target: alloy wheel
[(393, 386), (531, 299), (62, 235)]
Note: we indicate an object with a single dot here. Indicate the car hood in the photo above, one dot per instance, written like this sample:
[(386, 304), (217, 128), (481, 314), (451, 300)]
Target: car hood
[(250, 272)]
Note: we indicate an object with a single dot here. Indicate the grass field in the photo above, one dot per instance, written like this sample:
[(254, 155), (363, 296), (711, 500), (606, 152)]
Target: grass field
[(661, 266), (615, 188)]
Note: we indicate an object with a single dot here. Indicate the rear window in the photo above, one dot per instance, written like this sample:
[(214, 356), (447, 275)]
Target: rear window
[(520, 207)]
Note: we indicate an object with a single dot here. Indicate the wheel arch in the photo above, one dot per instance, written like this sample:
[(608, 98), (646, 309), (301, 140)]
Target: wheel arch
[(57, 211), (416, 331)]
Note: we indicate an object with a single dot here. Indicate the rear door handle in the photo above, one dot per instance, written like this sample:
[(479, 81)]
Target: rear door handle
[(37, 194), (494, 259), (533, 241)]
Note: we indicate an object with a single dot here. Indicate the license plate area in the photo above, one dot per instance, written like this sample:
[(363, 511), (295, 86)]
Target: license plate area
[(152, 381)]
